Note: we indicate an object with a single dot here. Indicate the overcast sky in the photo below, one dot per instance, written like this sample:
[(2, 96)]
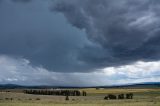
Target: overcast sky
[(79, 42)]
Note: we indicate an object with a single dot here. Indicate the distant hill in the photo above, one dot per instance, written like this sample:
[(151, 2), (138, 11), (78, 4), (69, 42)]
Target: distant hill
[(15, 86), (137, 85)]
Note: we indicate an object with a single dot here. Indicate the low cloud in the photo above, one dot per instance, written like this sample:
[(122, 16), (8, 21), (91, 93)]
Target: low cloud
[(19, 71)]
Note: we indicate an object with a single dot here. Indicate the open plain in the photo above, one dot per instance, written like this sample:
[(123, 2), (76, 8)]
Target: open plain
[(95, 97)]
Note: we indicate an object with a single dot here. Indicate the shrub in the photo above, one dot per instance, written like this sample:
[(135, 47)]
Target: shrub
[(38, 99)]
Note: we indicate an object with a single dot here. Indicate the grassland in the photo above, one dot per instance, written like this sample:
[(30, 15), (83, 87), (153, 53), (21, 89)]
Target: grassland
[(142, 97)]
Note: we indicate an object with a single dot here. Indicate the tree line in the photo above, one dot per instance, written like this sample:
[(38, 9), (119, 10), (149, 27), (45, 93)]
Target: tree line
[(57, 92)]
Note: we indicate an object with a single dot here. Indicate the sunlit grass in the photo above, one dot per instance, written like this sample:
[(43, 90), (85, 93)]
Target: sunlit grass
[(39, 104)]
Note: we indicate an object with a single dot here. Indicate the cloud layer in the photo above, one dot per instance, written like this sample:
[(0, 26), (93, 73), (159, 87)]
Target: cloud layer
[(29, 30), (127, 31), (19, 71), (71, 42)]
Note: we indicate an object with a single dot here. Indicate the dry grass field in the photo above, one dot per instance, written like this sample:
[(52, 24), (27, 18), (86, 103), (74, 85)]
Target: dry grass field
[(142, 97)]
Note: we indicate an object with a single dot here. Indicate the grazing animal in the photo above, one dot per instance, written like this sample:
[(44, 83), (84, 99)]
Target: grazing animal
[(111, 96), (121, 96), (106, 98), (129, 96)]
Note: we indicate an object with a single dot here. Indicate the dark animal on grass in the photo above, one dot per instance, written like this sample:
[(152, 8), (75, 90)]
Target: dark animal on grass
[(121, 96), (129, 96), (111, 96), (106, 98)]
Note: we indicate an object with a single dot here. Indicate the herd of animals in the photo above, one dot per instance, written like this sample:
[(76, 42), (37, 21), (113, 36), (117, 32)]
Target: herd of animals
[(120, 96), (68, 93)]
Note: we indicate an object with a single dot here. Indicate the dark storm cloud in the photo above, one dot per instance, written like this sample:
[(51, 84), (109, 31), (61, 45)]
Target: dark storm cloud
[(126, 30), (119, 32), (33, 32), (21, 0)]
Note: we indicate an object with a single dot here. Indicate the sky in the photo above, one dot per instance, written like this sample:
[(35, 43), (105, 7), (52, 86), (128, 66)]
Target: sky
[(79, 42)]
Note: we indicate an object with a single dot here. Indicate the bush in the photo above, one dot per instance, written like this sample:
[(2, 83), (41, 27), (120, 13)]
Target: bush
[(38, 99)]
